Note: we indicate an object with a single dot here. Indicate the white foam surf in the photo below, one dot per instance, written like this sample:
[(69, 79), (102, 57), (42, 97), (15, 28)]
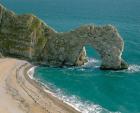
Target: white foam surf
[(95, 63), (134, 68), (74, 101), (31, 72), (92, 62)]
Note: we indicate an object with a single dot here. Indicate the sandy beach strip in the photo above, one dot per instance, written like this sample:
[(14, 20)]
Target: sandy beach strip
[(20, 94)]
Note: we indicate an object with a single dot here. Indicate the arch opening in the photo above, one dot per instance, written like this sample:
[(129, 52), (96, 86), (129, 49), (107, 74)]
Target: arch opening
[(94, 58), (106, 41)]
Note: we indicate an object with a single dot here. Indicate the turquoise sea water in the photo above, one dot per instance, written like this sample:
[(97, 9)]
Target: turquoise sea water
[(88, 88)]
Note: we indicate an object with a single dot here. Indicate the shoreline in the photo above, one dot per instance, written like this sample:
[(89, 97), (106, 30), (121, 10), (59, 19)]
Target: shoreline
[(46, 91), (30, 75), (21, 94)]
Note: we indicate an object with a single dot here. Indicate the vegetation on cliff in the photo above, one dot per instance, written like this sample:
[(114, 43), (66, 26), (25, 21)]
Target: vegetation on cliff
[(29, 37)]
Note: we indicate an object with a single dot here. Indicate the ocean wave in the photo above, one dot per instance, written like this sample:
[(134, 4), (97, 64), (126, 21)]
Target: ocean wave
[(76, 102), (134, 68), (95, 63), (131, 69), (92, 62), (92, 65)]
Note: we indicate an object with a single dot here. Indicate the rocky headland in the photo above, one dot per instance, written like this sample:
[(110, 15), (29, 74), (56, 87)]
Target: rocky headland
[(28, 37)]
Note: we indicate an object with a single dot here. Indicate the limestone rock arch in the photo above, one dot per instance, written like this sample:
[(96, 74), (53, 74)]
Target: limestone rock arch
[(68, 48), (28, 37)]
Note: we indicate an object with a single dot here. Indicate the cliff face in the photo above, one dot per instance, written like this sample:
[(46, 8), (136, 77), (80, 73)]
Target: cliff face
[(22, 35), (28, 37)]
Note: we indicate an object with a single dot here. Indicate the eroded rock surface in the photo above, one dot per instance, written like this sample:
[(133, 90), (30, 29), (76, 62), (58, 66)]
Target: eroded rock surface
[(28, 37), (22, 35)]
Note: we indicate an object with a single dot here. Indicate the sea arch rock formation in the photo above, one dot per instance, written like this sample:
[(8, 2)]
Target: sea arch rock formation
[(28, 37), (68, 48)]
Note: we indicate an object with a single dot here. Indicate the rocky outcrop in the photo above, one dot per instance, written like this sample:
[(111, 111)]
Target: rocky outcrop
[(28, 37), (22, 35)]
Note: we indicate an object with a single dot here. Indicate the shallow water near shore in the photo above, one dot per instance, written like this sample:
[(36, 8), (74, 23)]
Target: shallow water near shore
[(87, 87), (91, 90)]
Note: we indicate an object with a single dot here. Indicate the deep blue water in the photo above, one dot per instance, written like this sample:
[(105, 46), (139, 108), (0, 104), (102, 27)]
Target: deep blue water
[(87, 87)]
